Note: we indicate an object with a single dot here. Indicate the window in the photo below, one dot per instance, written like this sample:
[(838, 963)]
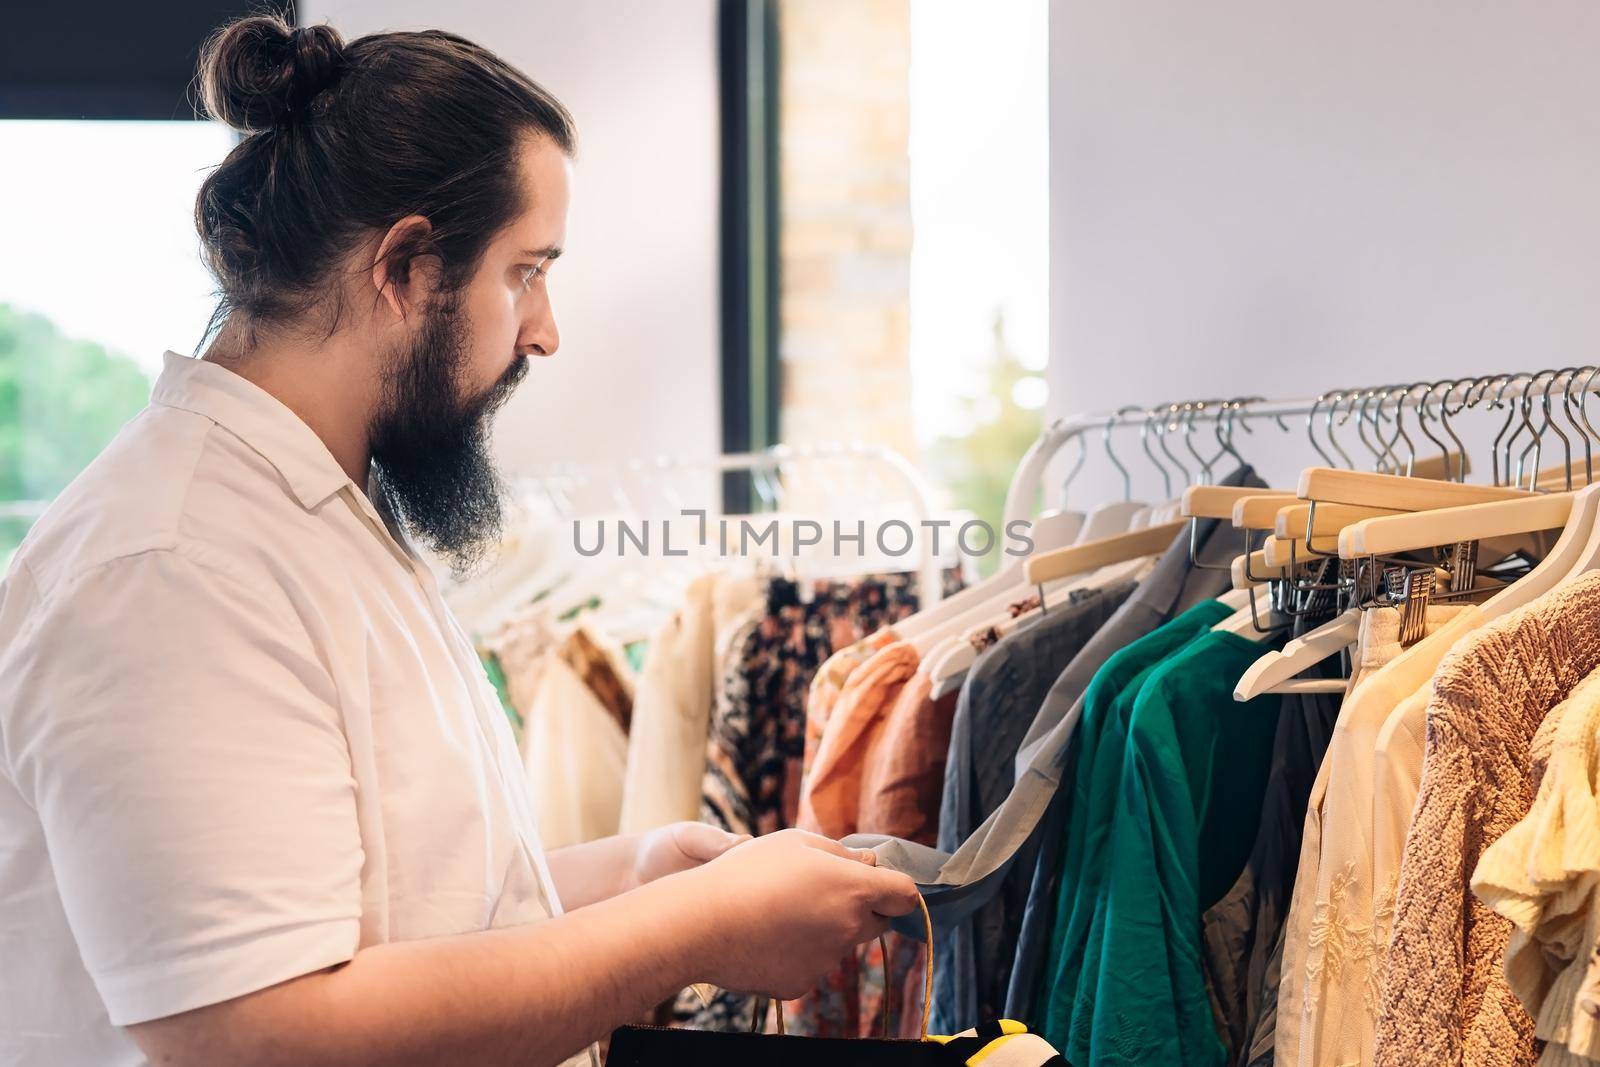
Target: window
[(913, 193), (101, 275), (980, 254)]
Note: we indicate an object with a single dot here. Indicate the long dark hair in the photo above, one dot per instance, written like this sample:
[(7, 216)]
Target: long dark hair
[(343, 140)]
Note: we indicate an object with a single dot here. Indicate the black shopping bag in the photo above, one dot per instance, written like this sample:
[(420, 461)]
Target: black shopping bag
[(643, 1046)]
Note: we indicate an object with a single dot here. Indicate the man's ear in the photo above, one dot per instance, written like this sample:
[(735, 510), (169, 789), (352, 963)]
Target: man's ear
[(404, 269)]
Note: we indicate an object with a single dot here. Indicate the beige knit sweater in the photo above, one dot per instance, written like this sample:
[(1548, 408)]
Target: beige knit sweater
[(1445, 998), (1543, 875)]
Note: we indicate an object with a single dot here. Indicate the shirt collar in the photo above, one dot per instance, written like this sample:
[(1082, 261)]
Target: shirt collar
[(258, 419)]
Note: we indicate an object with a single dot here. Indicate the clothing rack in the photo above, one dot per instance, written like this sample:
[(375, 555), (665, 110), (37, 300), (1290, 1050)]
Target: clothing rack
[(1371, 403), (1072, 427), (772, 461)]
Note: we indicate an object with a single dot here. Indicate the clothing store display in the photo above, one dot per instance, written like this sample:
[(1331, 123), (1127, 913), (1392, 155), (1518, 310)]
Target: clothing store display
[(1333, 955), (1445, 998), (257, 638), (1003, 689), (1243, 933), (1188, 807), (1543, 873), (1172, 587), (1096, 771), (1167, 797), (1152, 869), (974, 872)]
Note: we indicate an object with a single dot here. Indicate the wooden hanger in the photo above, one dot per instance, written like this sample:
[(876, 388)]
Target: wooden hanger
[(1236, 598), (1283, 551), (1393, 534), (1044, 567), (1273, 671), (1254, 564), (1294, 520), (1332, 518), (1259, 512), (1333, 486), (1383, 535), (1217, 501), (955, 613), (1388, 534), (1298, 656), (1586, 505), (1576, 549)]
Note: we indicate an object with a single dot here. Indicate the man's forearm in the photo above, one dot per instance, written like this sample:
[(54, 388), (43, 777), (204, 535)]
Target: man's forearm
[(521, 996), (594, 870)]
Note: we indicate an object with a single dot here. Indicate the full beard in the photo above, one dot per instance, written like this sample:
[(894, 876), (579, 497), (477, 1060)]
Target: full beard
[(431, 446)]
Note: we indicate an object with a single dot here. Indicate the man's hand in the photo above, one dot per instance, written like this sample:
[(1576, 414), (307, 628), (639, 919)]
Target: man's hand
[(784, 908), (679, 846)]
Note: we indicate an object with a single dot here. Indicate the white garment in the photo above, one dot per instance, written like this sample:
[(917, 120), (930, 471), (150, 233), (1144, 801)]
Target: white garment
[(671, 717), (1338, 918), (573, 745), (241, 737), (574, 748), (576, 755)]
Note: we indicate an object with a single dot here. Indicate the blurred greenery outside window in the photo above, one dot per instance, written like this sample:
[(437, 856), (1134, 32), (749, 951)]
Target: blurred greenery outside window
[(61, 402), (100, 275), (1000, 417)]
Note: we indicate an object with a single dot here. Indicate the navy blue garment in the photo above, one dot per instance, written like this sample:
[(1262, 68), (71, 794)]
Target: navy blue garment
[(998, 701)]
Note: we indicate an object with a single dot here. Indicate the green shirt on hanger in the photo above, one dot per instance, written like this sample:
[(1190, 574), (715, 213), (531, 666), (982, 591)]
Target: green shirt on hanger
[(1187, 809), (1094, 772)]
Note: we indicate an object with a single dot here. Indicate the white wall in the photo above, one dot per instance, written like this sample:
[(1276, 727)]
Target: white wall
[(636, 295), (1283, 197)]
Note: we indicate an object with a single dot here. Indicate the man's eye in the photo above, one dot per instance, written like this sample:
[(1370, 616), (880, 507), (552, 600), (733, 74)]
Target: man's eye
[(529, 274)]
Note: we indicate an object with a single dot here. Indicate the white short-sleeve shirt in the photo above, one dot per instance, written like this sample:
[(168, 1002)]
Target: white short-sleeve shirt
[(241, 737)]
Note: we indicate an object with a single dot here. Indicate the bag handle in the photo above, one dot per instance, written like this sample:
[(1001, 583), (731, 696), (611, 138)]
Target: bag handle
[(883, 948)]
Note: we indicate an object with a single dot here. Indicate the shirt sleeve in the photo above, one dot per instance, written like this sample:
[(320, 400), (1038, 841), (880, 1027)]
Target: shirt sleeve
[(180, 740)]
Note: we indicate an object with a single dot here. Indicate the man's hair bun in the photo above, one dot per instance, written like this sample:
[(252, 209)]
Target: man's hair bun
[(259, 72)]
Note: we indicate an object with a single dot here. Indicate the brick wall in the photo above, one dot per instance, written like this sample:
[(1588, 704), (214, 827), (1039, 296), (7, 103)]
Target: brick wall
[(844, 343)]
